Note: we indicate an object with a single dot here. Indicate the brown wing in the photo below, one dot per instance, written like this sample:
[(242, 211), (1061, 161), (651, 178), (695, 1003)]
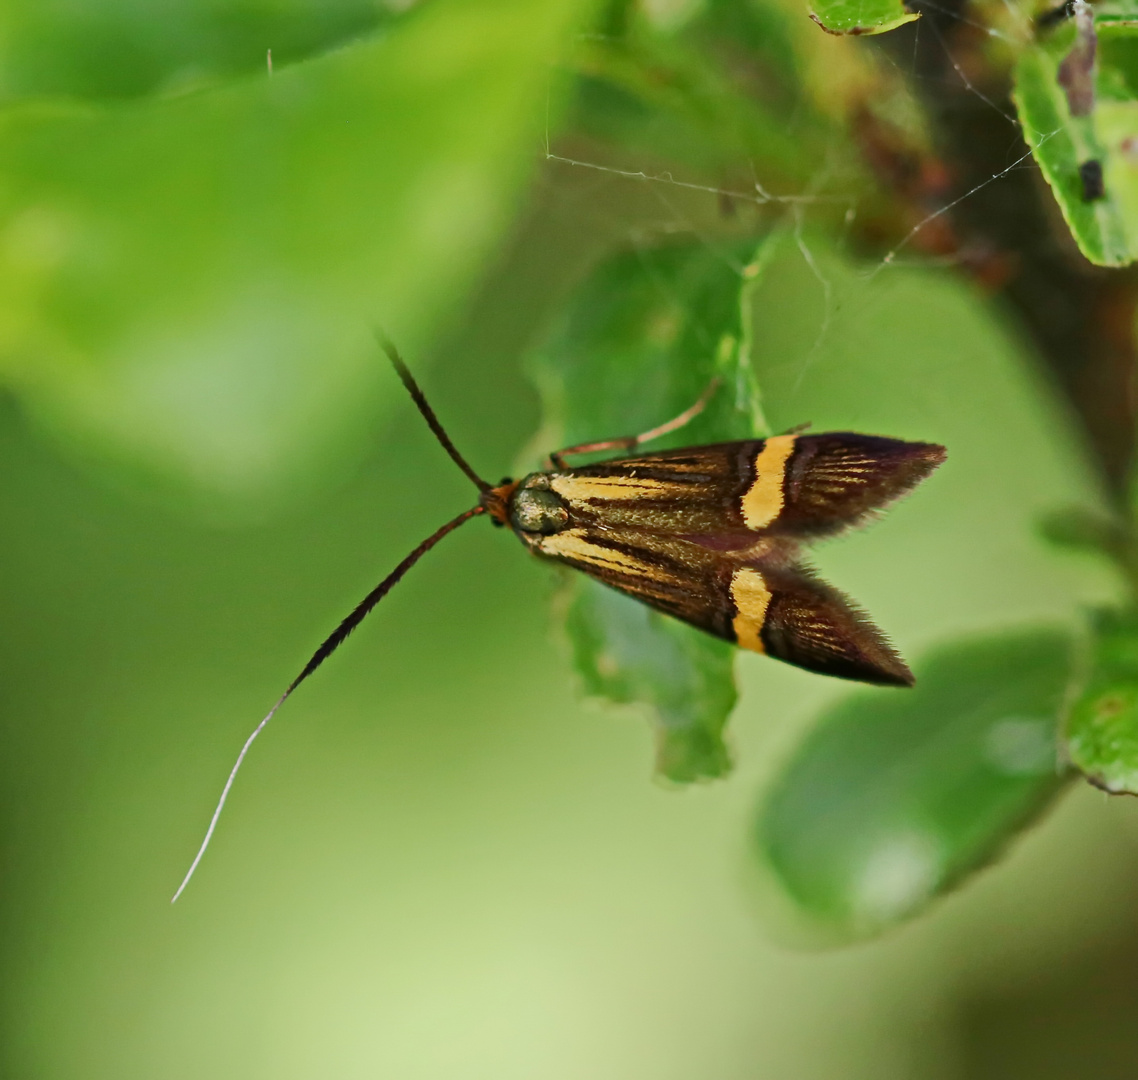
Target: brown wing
[(783, 611), (674, 576), (682, 493), (791, 486), (811, 625), (838, 479)]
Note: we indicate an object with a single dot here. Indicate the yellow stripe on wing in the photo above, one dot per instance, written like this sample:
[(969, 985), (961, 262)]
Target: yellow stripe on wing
[(615, 488), (752, 598), (574, 545), (763, 500)]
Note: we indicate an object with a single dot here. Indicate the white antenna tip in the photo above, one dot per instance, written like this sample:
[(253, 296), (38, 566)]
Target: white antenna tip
[(225, 795)]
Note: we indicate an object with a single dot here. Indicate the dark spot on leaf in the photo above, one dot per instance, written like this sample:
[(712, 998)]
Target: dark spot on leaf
[(1090, 173)]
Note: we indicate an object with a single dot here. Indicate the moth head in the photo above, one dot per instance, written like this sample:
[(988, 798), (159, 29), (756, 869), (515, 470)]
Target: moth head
[(536, 509), (496, 501)]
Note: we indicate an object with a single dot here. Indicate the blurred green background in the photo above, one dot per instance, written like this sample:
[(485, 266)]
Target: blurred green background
[(439, 862)]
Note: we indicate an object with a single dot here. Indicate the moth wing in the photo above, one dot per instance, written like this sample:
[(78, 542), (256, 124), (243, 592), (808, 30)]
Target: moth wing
[(688, 493), (836, 480), (783, 611), (795, 486), (677, 578), (810, 624)]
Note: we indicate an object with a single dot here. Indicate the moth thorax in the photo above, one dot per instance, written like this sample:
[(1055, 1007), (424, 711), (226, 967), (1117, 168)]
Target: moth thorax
[(536, 509)]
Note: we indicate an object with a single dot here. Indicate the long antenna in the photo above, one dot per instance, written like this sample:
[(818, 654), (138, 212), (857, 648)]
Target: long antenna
[(333, 642), (428, 413)]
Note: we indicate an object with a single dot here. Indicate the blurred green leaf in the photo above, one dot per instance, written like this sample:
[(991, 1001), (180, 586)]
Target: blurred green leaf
[(1067, 143), (189, 284), (121, 48), (713, 96), (860, 16), (896, 795), (1102, 733), (1079, 529), (650, 328)]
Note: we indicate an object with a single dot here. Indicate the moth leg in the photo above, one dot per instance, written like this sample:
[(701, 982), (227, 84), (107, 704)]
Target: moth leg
[(630, 442)]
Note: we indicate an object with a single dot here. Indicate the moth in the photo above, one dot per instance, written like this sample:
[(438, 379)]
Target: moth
[(712, 535)]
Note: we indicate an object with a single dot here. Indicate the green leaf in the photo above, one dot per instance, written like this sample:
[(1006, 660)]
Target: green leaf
[(120, 48), (627, 653), (860, 16), (671, 97), (1102, 733), (189, 285), (1111, 13), (1079, 529), (1106, 227), (896, 795), (650, 328)]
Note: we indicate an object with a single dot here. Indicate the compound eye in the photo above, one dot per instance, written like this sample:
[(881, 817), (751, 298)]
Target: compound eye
[(537, 511)]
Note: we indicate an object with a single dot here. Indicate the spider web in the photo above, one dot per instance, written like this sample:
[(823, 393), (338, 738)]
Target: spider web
[(679, 197)]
